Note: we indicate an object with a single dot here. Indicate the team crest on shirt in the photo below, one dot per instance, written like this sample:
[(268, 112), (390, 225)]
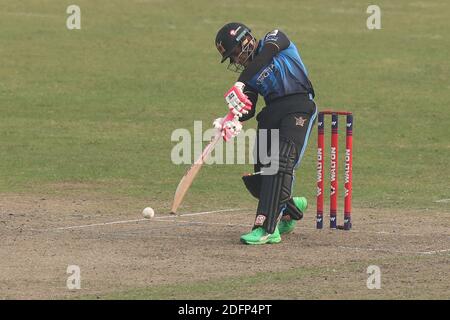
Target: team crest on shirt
[(299, 121)]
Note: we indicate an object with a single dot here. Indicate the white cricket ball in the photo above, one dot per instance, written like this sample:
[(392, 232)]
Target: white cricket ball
[(148, 213)]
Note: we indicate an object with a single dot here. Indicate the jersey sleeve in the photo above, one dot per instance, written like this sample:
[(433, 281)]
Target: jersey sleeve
[(278, 39), (274, 42)]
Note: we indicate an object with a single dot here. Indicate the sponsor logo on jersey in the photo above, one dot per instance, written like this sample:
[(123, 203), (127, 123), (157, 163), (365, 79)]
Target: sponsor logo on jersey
[(265, 73)]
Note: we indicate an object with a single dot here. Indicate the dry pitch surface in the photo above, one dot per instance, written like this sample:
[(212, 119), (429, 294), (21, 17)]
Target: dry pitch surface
[(119, 251)]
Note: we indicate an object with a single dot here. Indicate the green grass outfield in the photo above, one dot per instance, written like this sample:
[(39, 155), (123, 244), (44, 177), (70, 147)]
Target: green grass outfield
[(97, 106)]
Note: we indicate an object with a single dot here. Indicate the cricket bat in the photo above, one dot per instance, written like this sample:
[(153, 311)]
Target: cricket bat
[(191, 173)]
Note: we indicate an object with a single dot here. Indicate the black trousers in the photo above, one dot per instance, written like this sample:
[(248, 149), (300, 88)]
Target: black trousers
[(293, 117)]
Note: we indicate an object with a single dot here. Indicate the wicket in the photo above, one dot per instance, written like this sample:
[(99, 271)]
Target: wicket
[(334, 169)]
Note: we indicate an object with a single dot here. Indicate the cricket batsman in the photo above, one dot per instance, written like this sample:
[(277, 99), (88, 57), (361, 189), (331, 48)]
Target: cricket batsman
[(271, 67)]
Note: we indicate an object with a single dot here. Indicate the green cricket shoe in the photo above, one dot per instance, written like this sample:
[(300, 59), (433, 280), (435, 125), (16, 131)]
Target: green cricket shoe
[(260, 236), (286, 226)]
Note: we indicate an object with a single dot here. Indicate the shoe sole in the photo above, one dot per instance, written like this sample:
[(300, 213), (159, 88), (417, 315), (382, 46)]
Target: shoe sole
[(261, 242), (286, 232)]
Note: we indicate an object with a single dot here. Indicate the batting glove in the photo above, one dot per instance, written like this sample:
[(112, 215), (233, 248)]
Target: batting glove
[(229, 128), (237, 101)]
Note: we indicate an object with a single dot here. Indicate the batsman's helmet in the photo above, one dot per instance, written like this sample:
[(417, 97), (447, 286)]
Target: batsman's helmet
[(229, 37)]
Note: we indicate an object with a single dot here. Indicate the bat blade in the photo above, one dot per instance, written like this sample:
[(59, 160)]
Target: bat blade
[(192, 172)]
